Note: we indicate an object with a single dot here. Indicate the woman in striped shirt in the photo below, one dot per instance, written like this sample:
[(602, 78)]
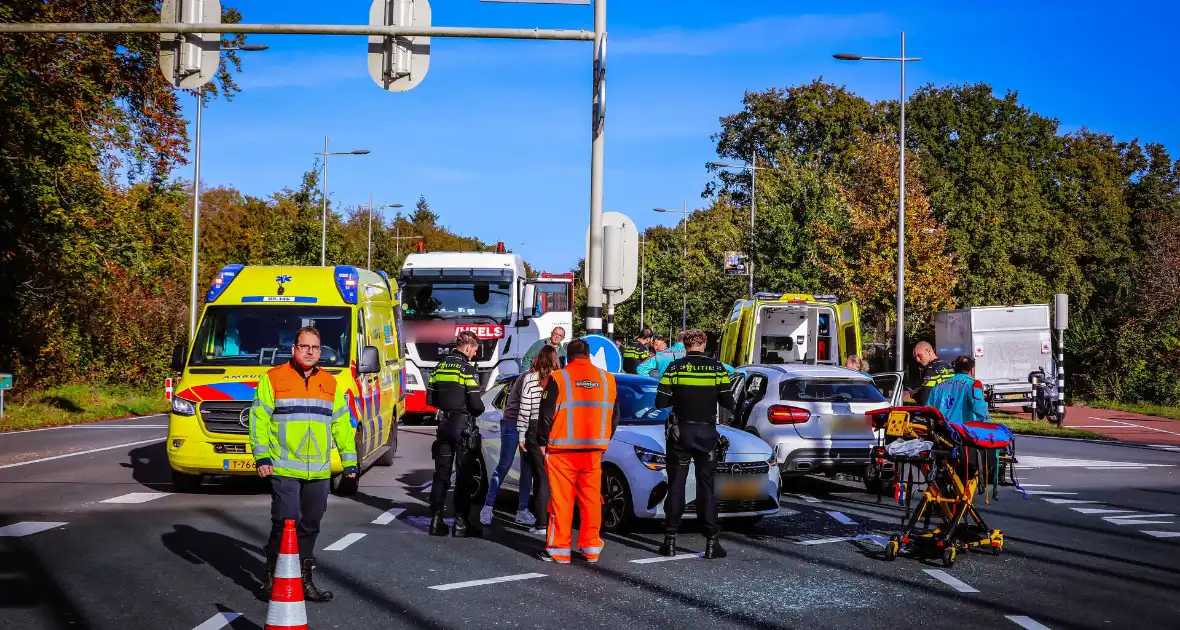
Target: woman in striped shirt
[(537, 391)]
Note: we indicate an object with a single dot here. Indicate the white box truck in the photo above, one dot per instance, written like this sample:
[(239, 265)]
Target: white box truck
[(1008, 343)]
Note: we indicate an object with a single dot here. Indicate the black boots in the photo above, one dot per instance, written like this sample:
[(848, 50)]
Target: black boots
[(713, 549), (464, 528), (437, 526), (669, 546), (310, 592), (268, 587)]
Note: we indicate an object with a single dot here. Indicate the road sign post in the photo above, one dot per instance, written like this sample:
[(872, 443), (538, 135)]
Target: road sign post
[(190, 60), (398, 63), (5, 384)]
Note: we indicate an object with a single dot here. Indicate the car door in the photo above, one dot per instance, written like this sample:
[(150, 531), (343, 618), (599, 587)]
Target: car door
[(752, 393), (737, 379), (489, 423), (889, 384)]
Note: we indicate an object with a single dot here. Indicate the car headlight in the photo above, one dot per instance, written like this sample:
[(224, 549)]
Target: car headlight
[(652, 459), (772, 461), (182, 407)]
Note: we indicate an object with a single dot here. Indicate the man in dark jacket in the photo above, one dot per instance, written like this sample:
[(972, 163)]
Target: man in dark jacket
[(454, 390), (637, 351), (934, 371)]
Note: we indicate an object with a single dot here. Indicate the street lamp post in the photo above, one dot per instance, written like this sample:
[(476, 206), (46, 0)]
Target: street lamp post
[(900, 358), (683, 261), (324, 189), (192, 305), (369, 257), (753, 168)]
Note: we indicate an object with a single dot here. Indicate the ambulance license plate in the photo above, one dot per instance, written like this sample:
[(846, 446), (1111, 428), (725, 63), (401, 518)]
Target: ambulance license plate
[(740, 489), (238, 464)]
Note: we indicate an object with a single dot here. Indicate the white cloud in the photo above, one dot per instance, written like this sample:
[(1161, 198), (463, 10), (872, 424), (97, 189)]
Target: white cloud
[(757, 35)]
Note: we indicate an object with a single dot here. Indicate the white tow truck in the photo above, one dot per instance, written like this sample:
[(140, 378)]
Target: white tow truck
[(487, 293)]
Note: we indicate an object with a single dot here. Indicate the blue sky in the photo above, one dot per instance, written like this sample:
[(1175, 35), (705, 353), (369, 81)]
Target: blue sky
[(497, 136)]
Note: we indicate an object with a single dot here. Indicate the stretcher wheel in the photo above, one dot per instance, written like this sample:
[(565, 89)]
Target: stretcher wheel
[(996, 549), (948, 557), (891, 549)]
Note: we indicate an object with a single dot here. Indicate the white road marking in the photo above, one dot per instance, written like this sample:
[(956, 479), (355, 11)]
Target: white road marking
[(388, 516), (118, 426), (27, 528), (806, 497), (880, 540), (843, 518), (1138, 519), (1167, 447), (1118, 518), (428, 486), (1101, 511), (1050, 492), (93, 450), (343, 543), (495, 580), (1116, 467), (1034, 461), (1028, 623), (951, 581), (1068, 501), (1142, 522), (679, 556), (1137, 426), (1033, 485), (93, 426), (218, 621), (136, 497), (1158, 534)]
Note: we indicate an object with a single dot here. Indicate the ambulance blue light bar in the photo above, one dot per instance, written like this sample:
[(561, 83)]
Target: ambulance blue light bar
[(348, 281), (221, 281)]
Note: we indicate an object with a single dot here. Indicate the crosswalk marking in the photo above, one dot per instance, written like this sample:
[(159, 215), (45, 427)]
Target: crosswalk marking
[(951, 581), (1034, 461), (495, 580), (680, 556), (1048, 492), (387, 516), (1159, 534), (343, 543), (1101, 511), (136, 497), (218, 621), (1028, 623), (806, 497), (27, 528), (1067, 501), (842, 518)]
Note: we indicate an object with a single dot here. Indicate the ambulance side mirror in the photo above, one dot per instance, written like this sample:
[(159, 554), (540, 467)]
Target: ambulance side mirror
[(370, 362), (178, 358)]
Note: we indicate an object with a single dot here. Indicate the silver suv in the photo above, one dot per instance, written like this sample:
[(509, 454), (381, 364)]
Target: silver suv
[(812, 416)]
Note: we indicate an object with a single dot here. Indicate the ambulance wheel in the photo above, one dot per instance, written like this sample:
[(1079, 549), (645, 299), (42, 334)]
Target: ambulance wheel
[(386, 458), (948, 557), (184, 482), (891, 549), (617, 511)]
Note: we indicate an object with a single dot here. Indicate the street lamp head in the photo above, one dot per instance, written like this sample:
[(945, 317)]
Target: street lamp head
[(661, 209), (253, 47), (847, 57), (396, 205), (360, 152)]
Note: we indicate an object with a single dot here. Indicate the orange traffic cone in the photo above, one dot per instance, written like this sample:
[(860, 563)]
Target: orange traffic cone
[(286, 610)]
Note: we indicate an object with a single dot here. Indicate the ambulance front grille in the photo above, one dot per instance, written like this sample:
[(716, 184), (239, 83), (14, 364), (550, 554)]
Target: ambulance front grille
[(226, 416)]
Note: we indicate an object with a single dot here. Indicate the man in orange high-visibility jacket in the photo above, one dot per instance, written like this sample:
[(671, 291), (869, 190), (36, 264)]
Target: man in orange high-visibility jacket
[(574, 436)]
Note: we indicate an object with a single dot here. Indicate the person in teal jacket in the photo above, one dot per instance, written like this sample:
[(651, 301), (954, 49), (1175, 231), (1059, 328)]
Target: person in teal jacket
[(659, 362), (960, 397)]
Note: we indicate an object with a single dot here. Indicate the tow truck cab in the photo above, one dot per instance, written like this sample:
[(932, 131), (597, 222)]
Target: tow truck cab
[(487, 293), (791, 328)]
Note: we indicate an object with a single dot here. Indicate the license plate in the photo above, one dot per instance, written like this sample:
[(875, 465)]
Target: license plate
[(740, 489), (238, 464), (1011, 396), (851, 424)]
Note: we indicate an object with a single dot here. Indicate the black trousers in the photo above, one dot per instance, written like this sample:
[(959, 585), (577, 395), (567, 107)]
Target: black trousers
[(302, 501), (540, 504), (706, 502), (450, 456)]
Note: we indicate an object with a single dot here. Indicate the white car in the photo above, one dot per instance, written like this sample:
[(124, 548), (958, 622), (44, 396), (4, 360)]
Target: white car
[(634, 480)]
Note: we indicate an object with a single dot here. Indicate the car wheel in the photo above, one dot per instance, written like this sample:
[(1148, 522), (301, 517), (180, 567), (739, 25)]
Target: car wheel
[(184, 482), (386, 458), (617, 511)]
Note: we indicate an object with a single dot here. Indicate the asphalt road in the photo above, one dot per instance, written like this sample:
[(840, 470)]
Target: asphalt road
[(1095, 545)]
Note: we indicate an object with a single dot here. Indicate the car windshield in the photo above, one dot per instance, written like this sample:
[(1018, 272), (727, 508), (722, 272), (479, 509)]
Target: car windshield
[(637, 403), (480, 299), (830, 390), (263, 335)]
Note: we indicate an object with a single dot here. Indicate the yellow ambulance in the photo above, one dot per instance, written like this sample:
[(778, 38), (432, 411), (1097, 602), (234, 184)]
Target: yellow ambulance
[(782, 328), (248, 326)]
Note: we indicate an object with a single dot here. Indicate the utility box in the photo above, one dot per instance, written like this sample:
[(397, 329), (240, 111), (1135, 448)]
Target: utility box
[(1007, 342)]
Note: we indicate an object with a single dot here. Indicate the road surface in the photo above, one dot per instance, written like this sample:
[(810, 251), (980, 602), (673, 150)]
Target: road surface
[(91, 537)]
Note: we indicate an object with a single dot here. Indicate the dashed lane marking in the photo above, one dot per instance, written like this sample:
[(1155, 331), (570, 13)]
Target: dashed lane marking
[(343, 543), (842, 518), (388, 516), (136, 497), (1138, 519), (681, 556), (1067, 501), (1035, 461), (218, 621), (806, 497), (1101, 511), (27, 528), (1034, 485), (93, 450), (880, 540), (1116, 467), (495, 580), (1050, 492), (951, 581), (1028, 623), (1159, 534)]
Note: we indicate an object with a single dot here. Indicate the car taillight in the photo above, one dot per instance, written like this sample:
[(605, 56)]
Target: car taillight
[(783, 414)]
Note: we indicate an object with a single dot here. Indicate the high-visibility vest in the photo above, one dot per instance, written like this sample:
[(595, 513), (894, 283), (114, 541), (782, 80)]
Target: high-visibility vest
[(585, 403), (295, 424)]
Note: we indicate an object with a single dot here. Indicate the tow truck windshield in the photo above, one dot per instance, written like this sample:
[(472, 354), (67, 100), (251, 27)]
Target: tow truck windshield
[(482, 295), (263, 335)]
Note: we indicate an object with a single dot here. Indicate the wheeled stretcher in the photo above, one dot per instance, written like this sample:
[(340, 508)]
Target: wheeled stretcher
[(951, 463)]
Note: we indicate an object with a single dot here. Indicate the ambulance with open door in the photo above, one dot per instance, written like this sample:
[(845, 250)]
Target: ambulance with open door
[(774, 329)]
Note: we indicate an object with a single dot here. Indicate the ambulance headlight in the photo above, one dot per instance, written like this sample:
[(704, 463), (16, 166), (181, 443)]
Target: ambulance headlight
[(182, 407)]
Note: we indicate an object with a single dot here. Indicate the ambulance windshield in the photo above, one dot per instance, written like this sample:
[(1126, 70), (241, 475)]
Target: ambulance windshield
[(263, 335), (479, 295)]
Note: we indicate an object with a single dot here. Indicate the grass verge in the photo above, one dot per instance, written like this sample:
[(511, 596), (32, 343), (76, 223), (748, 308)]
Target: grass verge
[(1161, 411), (1028, 427), (71, 404)]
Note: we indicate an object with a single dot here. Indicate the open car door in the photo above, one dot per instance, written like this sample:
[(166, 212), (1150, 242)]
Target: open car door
[(848, 320), (889, 384), (736, 381)]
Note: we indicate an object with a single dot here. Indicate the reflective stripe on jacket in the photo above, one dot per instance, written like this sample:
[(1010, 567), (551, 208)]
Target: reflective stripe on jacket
[(296, 422), (584, 417)]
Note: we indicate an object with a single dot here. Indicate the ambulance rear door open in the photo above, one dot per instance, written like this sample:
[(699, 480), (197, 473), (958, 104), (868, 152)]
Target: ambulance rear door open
[(796, 333), (848, 322)]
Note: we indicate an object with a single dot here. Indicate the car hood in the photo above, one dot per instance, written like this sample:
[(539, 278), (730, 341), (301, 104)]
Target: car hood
[(651, 437)]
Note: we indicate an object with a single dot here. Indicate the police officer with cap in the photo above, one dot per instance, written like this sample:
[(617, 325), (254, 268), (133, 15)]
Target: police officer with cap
[(693, 387), (454, 390)]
